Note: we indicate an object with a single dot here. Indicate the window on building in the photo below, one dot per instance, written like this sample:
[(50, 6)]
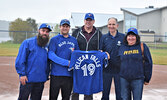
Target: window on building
[(130, 21)]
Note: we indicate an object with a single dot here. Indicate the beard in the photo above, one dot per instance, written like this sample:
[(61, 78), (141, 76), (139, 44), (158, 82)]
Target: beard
[(42, 41)]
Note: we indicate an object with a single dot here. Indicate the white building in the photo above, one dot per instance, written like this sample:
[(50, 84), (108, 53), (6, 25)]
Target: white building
[(149, 21)]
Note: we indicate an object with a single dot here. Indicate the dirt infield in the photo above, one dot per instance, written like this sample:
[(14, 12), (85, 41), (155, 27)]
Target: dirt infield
[(9, 83)]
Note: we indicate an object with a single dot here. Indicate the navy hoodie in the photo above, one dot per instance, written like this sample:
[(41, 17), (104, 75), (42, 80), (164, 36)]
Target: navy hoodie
[(132, 66)]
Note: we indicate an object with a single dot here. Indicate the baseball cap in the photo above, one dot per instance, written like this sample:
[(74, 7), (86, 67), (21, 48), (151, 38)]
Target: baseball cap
[(64, 21), (89, 15), (45, 25), (132, 29)]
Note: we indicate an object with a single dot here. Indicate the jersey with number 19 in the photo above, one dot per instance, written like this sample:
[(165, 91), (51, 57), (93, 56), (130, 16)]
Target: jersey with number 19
[(88, 71)]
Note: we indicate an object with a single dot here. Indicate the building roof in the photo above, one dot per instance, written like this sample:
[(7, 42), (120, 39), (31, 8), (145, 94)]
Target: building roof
[(77, 19), (140, 11)]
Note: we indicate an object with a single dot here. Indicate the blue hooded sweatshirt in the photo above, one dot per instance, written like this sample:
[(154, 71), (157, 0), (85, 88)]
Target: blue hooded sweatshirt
[(60, 49), (32, 61), (132, 66)]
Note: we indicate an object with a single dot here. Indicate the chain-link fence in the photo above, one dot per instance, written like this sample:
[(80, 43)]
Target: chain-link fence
[(18, 36), (153, 41)]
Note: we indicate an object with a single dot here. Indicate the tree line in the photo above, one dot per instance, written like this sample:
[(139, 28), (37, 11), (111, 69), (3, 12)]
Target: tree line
[(22, 29)]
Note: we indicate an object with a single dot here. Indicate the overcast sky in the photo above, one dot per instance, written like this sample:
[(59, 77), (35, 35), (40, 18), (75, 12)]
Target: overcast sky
[(52, 11)]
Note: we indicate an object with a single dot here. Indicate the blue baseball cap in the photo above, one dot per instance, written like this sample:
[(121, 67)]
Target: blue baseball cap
[(64, 21), (89, 15), (132, 29), (45, 25)]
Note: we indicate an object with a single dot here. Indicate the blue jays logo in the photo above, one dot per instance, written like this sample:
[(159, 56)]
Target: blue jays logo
[(132, 28), (90, 14), (47, 25), (106, 39), (72, 49), (119, 43)]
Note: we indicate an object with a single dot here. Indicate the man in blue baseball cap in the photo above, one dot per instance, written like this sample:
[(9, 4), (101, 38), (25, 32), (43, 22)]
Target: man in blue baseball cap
[(60, 49), (32, 64), (88, 37), (43, 34)]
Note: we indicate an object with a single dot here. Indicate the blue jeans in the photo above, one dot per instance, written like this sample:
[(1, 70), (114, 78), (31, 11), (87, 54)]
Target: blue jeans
[(131, 87), (33, 89), (107, 80)]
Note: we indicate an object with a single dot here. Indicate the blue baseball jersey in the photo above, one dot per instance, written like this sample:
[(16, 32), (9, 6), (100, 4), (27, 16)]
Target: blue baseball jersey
[(60, 49), (88, 71)]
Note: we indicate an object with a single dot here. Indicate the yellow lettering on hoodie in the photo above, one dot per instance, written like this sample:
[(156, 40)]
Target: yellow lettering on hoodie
[(131, 52)]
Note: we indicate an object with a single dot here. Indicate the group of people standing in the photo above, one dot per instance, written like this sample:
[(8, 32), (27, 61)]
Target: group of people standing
[(129, 64)]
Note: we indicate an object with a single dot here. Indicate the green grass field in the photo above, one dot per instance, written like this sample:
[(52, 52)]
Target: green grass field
[(9, 49), (159, 56), (162, 45)]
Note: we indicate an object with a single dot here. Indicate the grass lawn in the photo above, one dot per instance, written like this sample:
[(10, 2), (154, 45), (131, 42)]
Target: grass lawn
[(8, 49), (159, 56), (157, 45)]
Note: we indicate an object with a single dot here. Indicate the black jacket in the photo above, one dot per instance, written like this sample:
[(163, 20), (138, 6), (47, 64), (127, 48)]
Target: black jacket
[(92, 44)]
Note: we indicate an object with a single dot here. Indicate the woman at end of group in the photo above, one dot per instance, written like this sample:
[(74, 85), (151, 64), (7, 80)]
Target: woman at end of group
[(136, 66)]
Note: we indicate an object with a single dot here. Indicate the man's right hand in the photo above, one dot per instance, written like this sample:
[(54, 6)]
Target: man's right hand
[(23, 80)]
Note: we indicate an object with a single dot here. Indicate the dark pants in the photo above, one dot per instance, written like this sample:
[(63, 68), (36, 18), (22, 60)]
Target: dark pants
[(34, 90), (64, 83), (107, 80), (75, 96), (131, 87)]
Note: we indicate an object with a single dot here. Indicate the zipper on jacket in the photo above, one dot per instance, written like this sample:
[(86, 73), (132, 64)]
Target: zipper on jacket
[(87, 42), (84, 38)]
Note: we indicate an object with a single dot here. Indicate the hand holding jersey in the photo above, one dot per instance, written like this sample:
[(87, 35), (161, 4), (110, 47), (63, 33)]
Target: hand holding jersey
[(108, 55)]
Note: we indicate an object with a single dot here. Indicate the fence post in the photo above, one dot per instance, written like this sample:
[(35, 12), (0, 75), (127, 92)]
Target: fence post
[(26, 34), (154, 41), (12, 37)]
